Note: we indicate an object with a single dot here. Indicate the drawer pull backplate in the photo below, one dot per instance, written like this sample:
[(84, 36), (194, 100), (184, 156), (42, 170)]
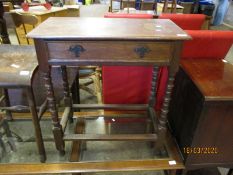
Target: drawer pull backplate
[(77, 50), (141, 51)]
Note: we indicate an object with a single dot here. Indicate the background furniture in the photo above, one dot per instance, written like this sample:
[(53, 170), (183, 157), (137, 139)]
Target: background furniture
[(217, 44), (93, 10), (42, 13), (23, 24), (200, 115), (27, 21), (3, 29), (18, 65)]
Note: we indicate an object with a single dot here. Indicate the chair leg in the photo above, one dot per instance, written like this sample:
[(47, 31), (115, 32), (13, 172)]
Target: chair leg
[(9, 135), (7, 103), (36, 123)]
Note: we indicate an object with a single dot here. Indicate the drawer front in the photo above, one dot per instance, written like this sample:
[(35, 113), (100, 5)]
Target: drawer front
[(107, 51)]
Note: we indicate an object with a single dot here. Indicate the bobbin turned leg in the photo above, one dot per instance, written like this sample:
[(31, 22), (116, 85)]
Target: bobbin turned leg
[(152, 101), (36, 123), (66, 90), (162, 128), (57, 129)]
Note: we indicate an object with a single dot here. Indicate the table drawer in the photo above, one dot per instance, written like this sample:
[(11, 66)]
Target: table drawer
[(108, 51)]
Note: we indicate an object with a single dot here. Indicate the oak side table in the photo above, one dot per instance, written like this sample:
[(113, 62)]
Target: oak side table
[(100, 41)]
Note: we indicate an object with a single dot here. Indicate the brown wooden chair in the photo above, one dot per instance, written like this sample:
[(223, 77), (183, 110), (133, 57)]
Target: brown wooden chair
[(24, 23), (171, 4), (17, 70)]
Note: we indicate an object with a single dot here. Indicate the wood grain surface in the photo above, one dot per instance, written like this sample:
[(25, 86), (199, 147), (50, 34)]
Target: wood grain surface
[(108, 28), (214, 78)]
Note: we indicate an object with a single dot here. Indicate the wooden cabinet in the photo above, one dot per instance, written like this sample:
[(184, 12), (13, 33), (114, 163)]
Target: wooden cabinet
[(201, 113)]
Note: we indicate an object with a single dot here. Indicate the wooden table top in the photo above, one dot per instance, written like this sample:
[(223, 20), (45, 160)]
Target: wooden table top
[(214, 78), (39, 10), (107, 29)]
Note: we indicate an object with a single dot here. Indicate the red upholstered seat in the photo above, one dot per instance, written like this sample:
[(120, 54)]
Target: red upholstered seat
[(186, 21), (120, 15), (206, 44)]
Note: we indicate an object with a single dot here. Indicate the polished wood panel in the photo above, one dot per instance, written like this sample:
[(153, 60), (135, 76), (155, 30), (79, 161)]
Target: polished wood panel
[(200, 114), (107, 28), (213, 78), (112, 51)]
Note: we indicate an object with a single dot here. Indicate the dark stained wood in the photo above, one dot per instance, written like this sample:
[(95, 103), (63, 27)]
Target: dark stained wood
[(136, 107), (76, 148), (36, 123), (154, 119), (213, 78), (200, 114), (41, 50), (129, 42), (108, 29), (66, 90), (4, 34), (152, 99), (204, 171), (112, 137), (111, 51)]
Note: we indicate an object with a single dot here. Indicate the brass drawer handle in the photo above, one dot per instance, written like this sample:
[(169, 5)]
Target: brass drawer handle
[(77, 50), (141, 51)]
